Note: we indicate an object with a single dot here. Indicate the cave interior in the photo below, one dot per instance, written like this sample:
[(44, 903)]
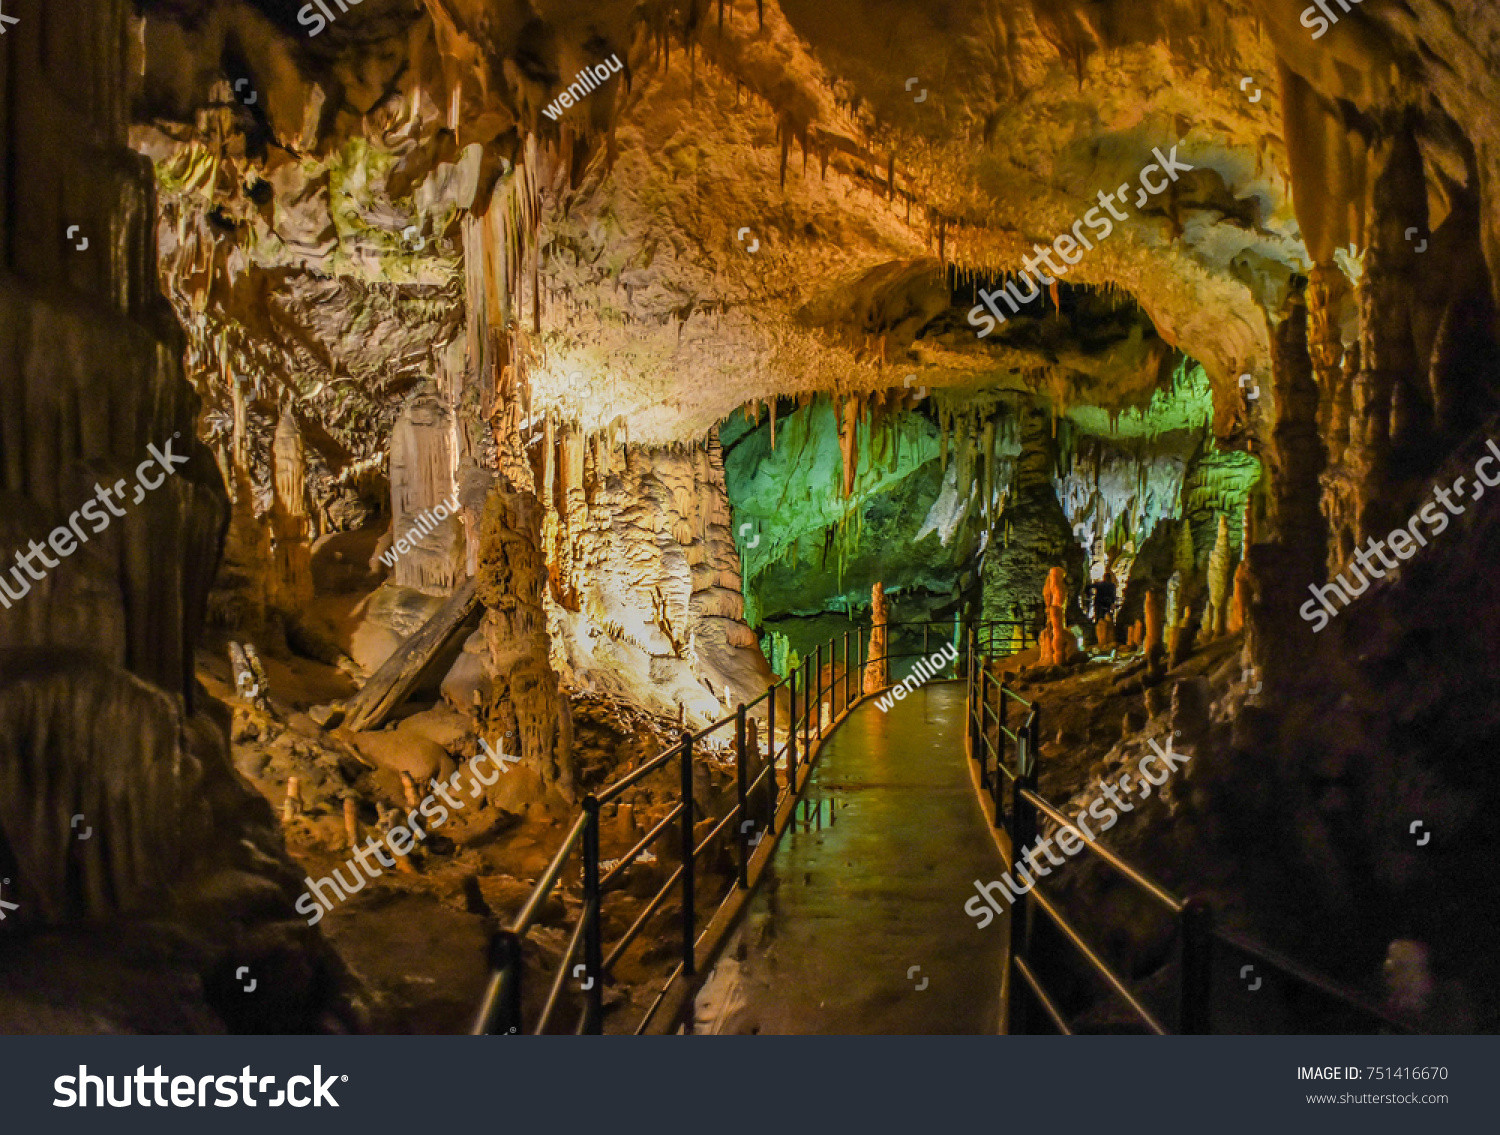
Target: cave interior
[(558, 376)]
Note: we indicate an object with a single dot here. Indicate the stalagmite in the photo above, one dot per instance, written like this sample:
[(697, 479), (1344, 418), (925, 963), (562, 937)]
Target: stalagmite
[(1240, 605), (292, 805), (1061, 646), (351, 820), (1152, 647), (1218, 581), (1181, 638), (878, 669)]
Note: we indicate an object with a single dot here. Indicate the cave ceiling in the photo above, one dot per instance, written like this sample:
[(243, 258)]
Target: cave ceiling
[(762, 202)]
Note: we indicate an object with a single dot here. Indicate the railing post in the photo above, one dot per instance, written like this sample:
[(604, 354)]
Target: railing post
[(859, 661), (975, 682), (818, 695), (1034, 743), (505, 961), (593, 898), (996, 790), (791, 732), (806, 709), (771, 755), (1194, 1014), (740, 778), (847, 699), (688, 914), (1022, 823)]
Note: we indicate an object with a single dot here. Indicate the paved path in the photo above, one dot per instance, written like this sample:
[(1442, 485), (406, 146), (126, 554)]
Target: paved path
[(875, 887)]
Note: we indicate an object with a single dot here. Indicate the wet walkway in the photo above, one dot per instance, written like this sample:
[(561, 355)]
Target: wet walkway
[(851, 908)]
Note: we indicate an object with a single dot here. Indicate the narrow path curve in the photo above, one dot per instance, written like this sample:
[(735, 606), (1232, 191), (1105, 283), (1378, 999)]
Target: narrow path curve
[(870, 885)]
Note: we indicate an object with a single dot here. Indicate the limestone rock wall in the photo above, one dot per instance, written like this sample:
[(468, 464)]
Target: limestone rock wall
[(646, 600), (101, 713), (1032, 535)]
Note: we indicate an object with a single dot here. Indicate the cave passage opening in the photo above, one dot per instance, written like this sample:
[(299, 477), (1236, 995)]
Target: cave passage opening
[(959, 500)]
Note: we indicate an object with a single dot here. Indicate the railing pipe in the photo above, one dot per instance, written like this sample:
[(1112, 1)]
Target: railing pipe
[(741, 775), (771, 754), (1000, 732), (1195, 1016), (1022, 823), (593, 952), (543, 886), (645, 841), (791, 732), (688, 919)]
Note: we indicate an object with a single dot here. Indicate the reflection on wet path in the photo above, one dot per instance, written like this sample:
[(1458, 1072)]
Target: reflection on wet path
[(870, 885)]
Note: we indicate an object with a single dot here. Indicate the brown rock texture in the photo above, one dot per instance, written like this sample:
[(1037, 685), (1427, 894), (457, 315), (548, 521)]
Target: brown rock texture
[(103, 717)]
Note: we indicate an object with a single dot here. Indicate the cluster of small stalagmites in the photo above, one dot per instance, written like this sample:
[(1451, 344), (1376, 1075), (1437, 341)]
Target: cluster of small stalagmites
[(325, 784)]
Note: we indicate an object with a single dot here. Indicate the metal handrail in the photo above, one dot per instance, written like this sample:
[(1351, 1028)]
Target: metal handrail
[(1298, 972), (806, 688), (1098, 964), (646, 841), (1194, 915), (543, 886), (1059, 1022), (560, 977), (1139, 878), (636, 775), (639, 924)]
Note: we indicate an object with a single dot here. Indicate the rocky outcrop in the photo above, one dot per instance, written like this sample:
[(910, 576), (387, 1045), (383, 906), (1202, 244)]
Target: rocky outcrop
[(102, 717), (1032, 535), (645, 593)]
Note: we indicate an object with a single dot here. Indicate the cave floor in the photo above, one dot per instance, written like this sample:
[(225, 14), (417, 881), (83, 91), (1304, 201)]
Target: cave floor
[(859, 926), (1087, 709)]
